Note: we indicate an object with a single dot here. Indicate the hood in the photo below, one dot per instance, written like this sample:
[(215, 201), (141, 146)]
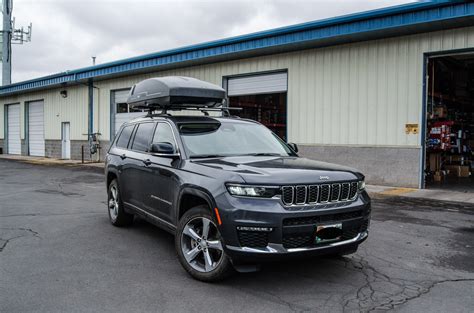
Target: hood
[(281, 170)]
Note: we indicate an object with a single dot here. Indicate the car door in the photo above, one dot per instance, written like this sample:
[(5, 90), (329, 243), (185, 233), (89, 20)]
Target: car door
[(139, 175), (162, 193), (120, 152)]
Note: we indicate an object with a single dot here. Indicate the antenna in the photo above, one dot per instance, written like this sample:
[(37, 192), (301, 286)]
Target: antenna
[(93, 60)]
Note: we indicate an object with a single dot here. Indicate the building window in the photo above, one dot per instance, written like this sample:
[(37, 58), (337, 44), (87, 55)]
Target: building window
[(125, 108)]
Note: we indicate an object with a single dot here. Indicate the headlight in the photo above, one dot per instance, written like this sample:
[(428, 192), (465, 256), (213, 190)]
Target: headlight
[(361, 185), (252, 191)]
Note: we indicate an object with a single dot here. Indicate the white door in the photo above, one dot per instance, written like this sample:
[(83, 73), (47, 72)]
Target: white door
[(65, 141), (121, 109), (13, 130), (36, 128), (257, 84)]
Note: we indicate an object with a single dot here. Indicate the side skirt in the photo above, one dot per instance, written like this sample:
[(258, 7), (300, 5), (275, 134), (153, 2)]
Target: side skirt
[(165, 225)]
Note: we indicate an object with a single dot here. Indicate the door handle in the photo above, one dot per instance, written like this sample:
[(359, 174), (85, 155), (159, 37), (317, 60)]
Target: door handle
[(147, 162), (123, 156)]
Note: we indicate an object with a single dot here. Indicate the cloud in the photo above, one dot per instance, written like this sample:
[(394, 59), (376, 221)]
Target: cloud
[(66, 33)]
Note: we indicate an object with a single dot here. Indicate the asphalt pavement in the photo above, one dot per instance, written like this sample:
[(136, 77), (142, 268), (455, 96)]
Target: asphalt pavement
[(58, 253)]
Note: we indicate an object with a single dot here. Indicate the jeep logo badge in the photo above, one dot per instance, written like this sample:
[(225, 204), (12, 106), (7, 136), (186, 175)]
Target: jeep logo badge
[(324, 177)]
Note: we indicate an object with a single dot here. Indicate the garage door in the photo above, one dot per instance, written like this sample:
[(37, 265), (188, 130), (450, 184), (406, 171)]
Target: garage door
[(13, 130), (122, 110), (36, 128), (257, 84)]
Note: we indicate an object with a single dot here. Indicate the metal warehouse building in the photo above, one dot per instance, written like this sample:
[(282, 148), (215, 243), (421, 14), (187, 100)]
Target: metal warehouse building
[(353, 90)]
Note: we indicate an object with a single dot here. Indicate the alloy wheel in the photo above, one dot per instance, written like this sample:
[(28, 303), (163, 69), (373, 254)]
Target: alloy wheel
[(201, 244), (113, 202)]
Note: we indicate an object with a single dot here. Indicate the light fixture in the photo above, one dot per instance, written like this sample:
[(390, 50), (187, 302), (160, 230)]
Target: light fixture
[(63, 93)]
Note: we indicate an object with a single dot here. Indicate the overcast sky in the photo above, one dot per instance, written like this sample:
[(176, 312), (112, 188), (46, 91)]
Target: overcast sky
[(66, 33)]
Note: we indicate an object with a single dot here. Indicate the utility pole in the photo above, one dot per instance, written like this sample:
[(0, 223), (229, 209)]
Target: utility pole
[(6, 43), (10, 35)]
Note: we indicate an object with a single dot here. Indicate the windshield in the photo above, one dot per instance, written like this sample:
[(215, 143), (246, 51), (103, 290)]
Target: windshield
[(231, 139)]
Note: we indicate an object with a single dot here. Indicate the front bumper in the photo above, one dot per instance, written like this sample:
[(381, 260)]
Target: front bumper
[(292, 231)]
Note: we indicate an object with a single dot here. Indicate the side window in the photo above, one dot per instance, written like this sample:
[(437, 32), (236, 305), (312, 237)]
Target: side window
[(122, 141), (143, 136), (164, 133)]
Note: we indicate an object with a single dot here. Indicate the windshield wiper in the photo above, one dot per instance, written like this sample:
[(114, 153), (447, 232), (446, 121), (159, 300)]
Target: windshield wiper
[(264, 154), (204, 156)]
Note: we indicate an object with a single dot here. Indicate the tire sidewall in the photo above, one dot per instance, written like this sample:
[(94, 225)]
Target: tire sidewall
[(224, 267)]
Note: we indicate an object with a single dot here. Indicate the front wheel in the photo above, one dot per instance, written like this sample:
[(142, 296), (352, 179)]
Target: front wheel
[(199, 246)]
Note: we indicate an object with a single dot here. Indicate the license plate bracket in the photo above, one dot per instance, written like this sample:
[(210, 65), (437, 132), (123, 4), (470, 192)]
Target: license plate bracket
[(328, 233)]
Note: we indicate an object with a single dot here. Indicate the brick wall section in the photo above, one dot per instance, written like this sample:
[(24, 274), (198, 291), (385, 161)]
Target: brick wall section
[(52, 148), (391, 166)]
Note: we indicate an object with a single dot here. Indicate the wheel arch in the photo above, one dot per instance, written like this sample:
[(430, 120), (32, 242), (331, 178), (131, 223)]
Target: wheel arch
[(111, 175), (192, 196)]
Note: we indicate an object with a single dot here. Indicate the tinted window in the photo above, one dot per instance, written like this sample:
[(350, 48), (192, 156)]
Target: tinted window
[(124, 138), (163, 133), (143, 136)]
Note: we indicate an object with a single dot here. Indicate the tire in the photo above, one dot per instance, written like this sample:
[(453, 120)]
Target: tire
[(117, 215), (203, 259)]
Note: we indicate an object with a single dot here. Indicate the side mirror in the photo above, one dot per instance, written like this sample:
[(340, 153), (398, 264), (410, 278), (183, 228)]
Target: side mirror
[(163, 149), (293, 146)]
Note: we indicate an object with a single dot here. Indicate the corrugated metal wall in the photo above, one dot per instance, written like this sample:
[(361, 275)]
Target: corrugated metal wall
[(57, 109), (355, 94)]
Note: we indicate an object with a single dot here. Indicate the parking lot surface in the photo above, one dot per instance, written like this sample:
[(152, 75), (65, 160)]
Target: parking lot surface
[(58, 253)]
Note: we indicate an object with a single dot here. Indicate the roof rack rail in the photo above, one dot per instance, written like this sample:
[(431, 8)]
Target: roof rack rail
[(164, 111)]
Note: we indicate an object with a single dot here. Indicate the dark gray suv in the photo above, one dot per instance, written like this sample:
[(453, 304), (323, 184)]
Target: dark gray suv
[(232, 193)]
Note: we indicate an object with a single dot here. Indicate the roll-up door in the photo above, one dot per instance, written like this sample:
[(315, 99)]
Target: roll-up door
[(13, 129), (257, 84), (262, 97), (36, 128)]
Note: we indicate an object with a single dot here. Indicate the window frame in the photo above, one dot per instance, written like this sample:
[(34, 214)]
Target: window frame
[(137, 125), (172, 132), (132, 135)]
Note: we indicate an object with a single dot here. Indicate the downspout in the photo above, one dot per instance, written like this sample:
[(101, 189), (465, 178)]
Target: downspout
[(91, 107)]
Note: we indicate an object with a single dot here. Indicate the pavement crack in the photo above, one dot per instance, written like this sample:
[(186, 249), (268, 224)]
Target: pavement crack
[(369, 297), (25, 232)]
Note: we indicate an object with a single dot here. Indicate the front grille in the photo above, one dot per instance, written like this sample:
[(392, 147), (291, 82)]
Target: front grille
[(317, 194), (291, 241), (312, 220), (253, 239)]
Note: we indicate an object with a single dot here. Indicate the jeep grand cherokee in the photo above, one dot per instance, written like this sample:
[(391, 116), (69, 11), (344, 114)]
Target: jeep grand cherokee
[(232, 193)]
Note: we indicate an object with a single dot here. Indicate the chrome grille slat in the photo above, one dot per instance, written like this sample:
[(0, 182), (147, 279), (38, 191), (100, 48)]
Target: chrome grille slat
[(300, 195), (287, 195), (313, 194)]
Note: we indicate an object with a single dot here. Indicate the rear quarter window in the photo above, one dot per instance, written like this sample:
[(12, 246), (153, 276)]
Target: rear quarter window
[(124, 138), (143, 137)]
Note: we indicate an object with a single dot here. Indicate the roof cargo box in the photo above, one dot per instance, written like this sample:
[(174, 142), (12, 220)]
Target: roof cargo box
[(175, 91)]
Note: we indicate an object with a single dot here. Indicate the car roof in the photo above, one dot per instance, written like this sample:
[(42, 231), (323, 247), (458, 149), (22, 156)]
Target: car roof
[(184, 119)]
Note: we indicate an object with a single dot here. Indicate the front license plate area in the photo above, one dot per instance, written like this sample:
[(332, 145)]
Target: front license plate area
[(328, 233)]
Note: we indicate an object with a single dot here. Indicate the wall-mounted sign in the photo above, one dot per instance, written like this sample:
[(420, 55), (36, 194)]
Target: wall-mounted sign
[(411, 129)]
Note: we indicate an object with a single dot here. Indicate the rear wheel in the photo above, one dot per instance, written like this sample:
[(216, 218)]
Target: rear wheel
[(117, 215), (199, 246)]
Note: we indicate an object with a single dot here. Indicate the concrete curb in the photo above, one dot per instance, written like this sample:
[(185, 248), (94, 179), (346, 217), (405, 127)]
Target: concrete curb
[(97, 167)]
